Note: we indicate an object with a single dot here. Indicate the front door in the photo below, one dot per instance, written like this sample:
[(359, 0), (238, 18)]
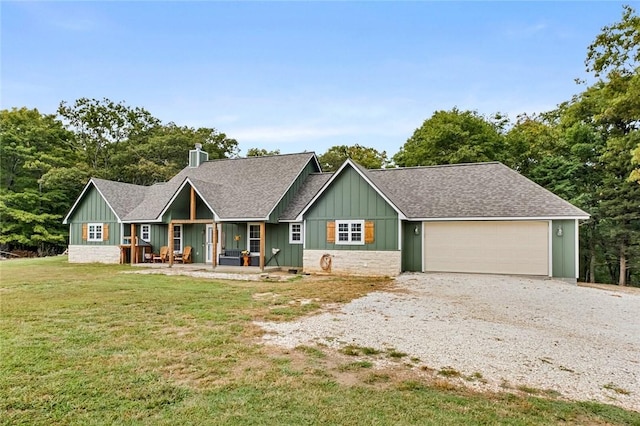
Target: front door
[(209, 242)]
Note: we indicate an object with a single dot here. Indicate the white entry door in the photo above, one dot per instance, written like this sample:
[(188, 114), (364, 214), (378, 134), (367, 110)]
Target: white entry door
[(209, 242)]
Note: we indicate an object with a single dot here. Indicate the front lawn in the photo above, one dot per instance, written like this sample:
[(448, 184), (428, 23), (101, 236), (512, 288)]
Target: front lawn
[(88, 344)]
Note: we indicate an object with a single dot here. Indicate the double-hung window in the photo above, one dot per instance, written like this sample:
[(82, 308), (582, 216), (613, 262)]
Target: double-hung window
[(349, 231), (95, 231), (145, 233), (254, 239), (295, 233), (177, 238)]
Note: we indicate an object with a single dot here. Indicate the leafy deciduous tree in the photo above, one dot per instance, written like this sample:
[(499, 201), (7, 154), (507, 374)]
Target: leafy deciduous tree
[(451, 137), (369, 158)]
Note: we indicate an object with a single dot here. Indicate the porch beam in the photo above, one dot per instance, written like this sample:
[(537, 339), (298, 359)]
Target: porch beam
[(189, 221), (262, 244), (192, 210), (170, 244)]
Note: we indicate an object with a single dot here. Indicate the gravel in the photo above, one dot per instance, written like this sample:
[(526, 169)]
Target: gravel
[(516, 332)]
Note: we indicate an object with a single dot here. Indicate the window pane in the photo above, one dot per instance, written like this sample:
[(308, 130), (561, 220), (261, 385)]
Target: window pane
[(254, 246), (254, 231)]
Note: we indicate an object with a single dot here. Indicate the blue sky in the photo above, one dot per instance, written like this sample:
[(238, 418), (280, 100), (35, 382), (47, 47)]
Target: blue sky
[(300, 76)]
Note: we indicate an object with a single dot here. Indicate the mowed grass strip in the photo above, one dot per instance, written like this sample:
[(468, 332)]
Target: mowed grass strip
[(87, 344)]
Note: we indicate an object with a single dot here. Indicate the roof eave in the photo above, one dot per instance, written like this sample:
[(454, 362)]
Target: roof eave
[(487, 218)]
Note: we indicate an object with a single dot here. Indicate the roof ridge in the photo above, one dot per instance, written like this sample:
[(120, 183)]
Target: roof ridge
[(482, 163), (259, 156)]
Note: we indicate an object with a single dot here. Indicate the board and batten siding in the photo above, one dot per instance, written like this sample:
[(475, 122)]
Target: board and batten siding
[(563, 249), (277, 236), (411, 247), (350, 197), (93, 209)]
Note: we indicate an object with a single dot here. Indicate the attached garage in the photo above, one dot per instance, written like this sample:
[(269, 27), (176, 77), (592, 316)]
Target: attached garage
[(495, 247)]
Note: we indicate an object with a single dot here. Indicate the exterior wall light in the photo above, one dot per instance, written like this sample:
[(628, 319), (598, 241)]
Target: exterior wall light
[(559, 231), (416, 230)]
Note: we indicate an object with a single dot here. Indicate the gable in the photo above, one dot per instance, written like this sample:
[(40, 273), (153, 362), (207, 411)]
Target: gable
[(180, 206), (350, 196), (91, 207)]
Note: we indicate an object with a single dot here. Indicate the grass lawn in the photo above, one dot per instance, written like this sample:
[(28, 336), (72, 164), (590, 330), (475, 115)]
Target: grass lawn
[(88, 344)]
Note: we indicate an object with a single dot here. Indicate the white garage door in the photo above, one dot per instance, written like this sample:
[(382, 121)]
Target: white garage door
[(487, 247)]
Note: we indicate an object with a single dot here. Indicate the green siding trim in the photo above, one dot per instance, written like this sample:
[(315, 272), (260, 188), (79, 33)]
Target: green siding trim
[(411, 247), (282, 205), (93, 209), (563, 249), (350, 197)]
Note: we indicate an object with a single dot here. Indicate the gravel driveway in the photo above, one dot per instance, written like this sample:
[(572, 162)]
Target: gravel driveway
[(543, 334)]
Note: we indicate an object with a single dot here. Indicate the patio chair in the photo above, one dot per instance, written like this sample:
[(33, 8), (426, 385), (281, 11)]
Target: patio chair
[(185, 256), (163, 256)]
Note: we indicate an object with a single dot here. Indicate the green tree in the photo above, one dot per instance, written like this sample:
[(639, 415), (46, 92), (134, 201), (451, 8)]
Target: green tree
[(530, 141), (40, 178), (635, 174), (612, 106), (451, 137), (164, 152), (369, 158), (101, 126), (261, 152), (128, 144)]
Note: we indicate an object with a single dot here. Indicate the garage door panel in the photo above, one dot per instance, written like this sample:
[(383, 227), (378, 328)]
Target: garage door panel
[(487, 247)]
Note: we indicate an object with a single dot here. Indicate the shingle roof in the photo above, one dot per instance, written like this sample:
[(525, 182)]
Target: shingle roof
[(307, 191), (238, 188), (122, 197), (480, 190)]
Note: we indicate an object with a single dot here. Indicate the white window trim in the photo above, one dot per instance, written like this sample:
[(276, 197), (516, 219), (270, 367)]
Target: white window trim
[(178, 250), (291, 232), (249, 225), (147, 231), (349, 223), (95, 232)]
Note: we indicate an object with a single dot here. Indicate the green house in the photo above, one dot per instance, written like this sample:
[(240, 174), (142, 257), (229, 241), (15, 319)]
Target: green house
[(283, 210)]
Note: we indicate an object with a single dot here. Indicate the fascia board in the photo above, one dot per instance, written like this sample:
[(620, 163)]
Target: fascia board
[(487, 218), (243, 219)]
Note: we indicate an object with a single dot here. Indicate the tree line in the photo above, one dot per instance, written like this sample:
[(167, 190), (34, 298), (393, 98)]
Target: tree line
[(587, 150)]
